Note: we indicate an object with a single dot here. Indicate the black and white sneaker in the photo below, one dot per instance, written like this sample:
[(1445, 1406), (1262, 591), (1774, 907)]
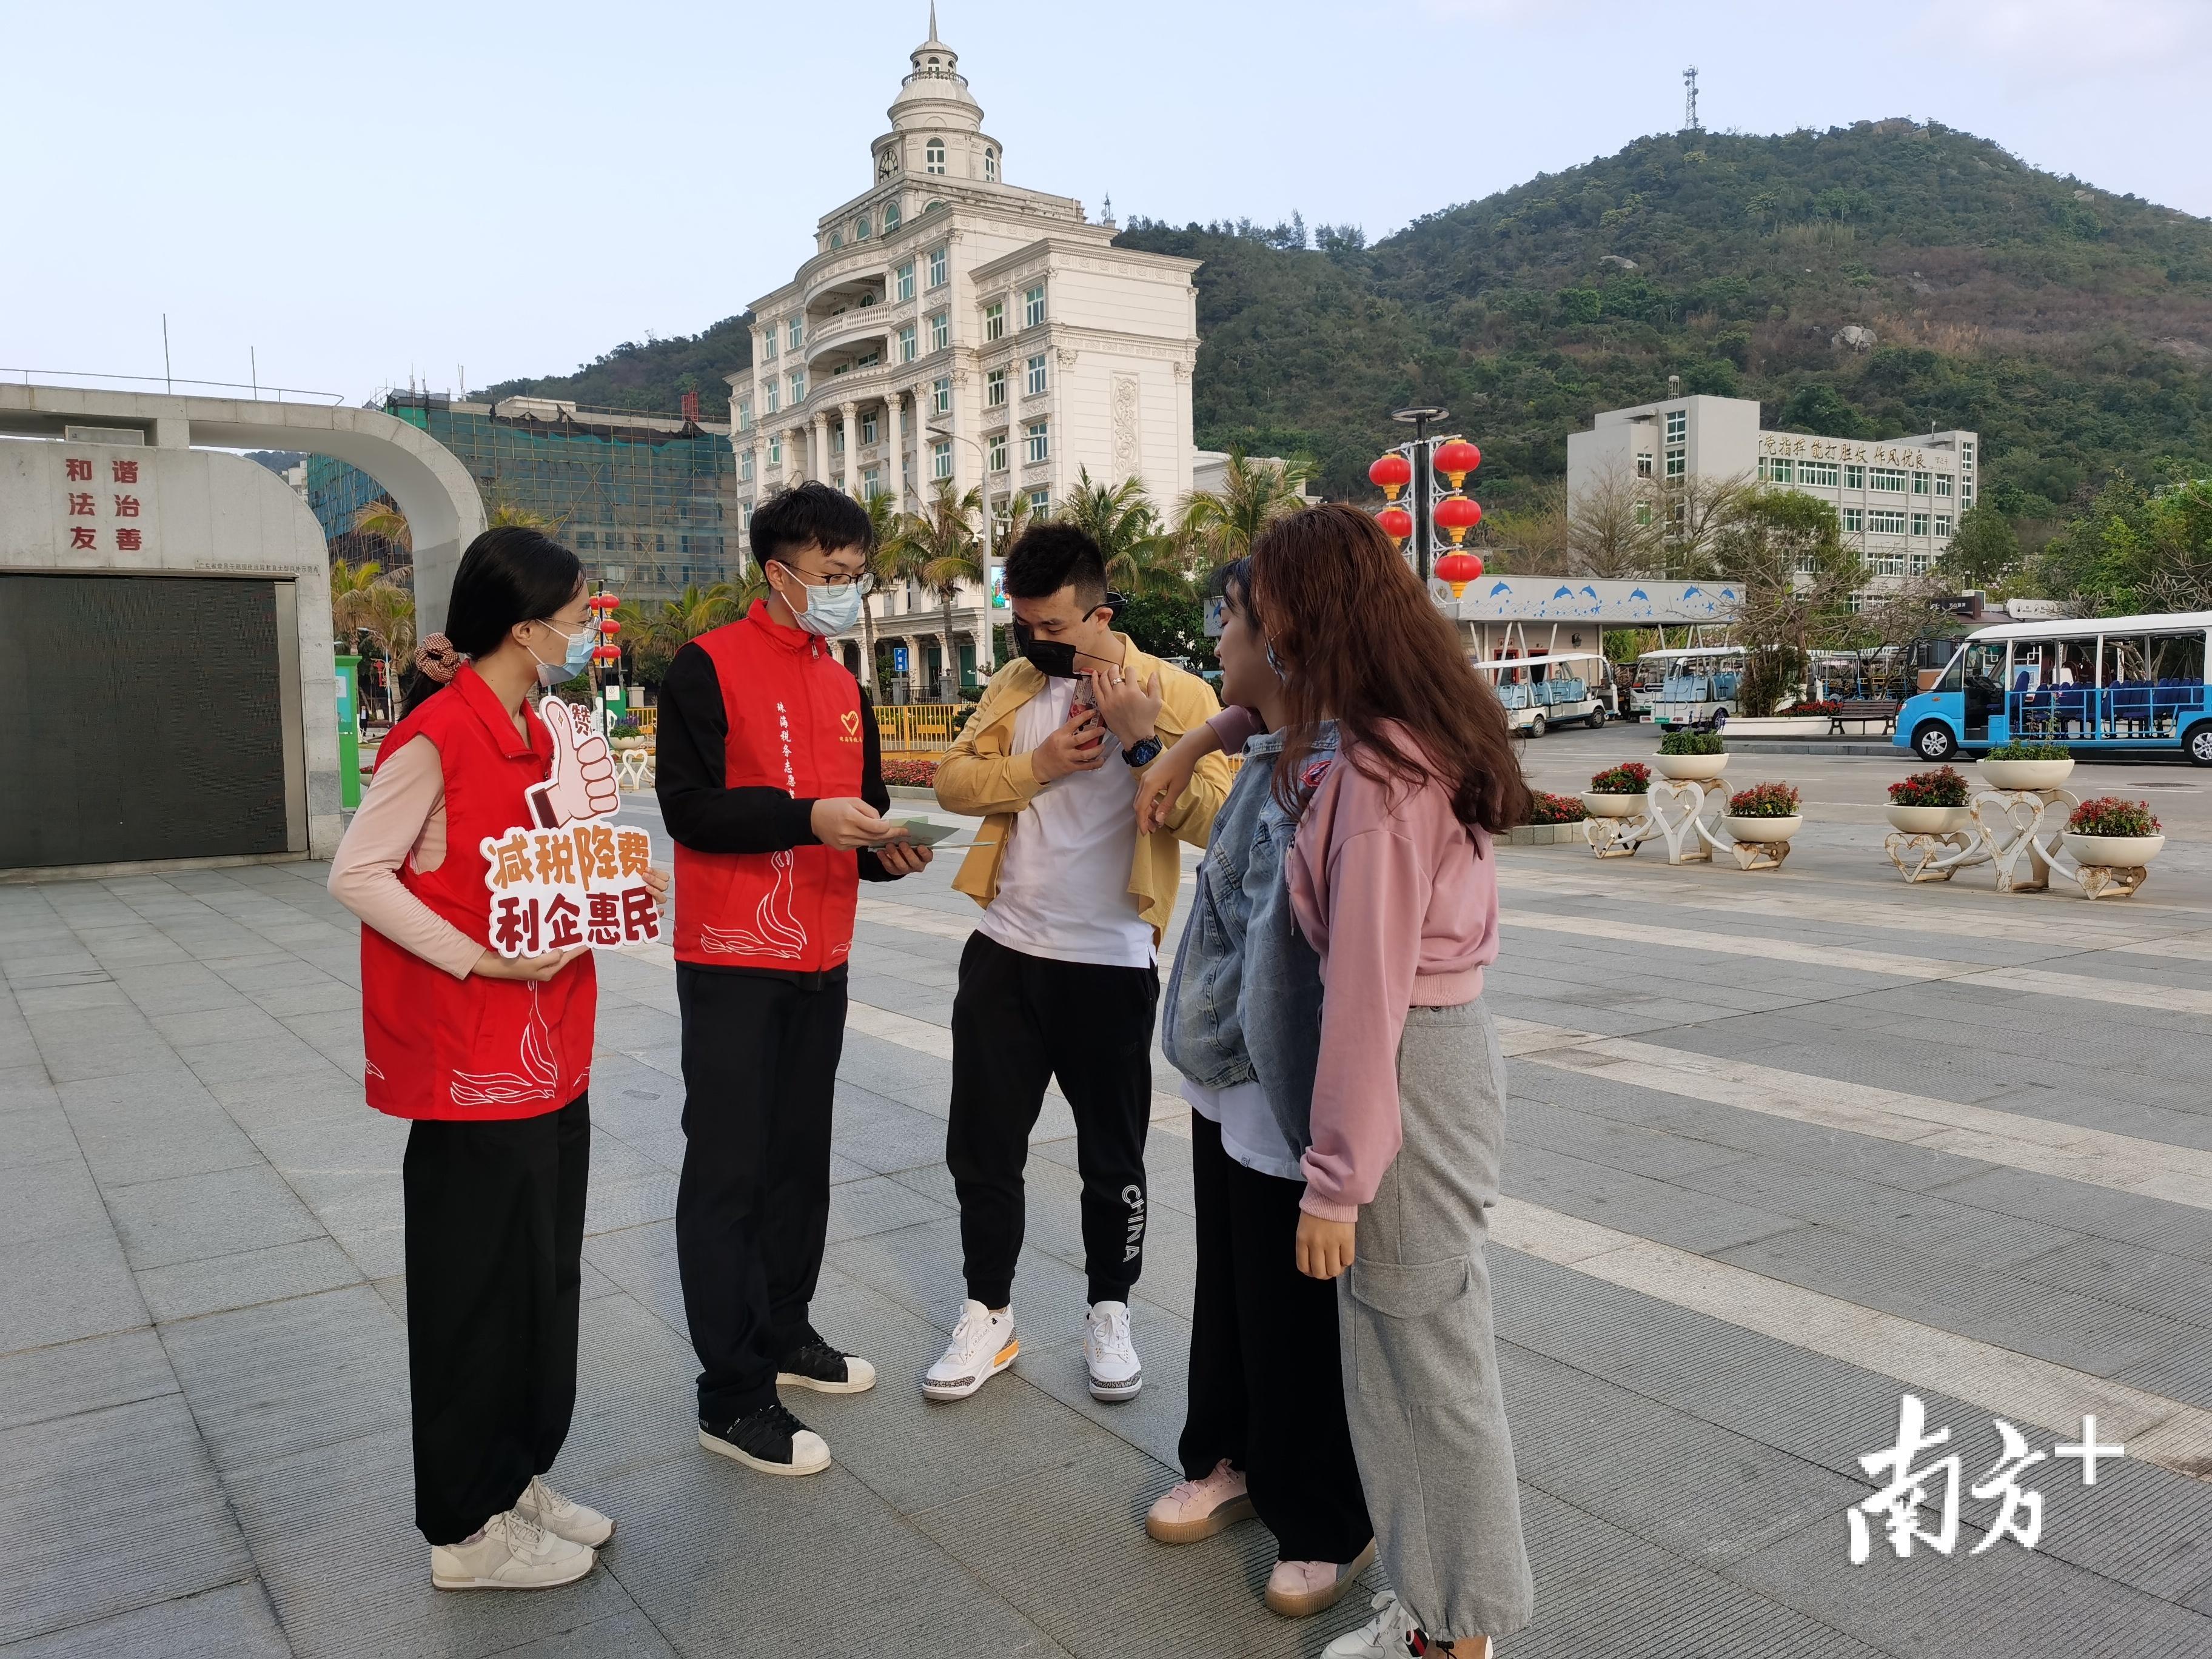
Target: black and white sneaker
[(770, 1440), (815, 1365)]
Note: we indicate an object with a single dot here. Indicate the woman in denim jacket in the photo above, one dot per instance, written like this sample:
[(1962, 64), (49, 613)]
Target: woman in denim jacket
[(1266, 1431)]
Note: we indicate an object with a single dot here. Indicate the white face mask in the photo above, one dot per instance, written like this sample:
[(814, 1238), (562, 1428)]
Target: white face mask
[(829, 610), (577, 659)]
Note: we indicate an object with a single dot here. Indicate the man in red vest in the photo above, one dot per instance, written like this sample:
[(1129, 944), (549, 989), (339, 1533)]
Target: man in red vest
[(770, 782)]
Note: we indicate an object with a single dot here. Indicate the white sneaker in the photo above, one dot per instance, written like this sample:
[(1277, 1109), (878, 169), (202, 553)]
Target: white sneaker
[(1388, 1635), (983, 1345), (511, 1553), (1115, 1372), (565, 1517)]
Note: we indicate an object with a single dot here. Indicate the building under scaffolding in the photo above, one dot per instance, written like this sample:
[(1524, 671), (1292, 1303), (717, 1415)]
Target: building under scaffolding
[(646, 502)]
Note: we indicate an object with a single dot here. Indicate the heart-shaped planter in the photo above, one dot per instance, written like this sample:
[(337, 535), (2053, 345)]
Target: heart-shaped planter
[(1600, 804), (1689, 768), (2112, 852), (1928, 820), (2026, 774), (1764, 829)]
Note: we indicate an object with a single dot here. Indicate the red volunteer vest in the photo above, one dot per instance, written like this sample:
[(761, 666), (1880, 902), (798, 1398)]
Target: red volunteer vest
[(795, 723), (473, 1048)]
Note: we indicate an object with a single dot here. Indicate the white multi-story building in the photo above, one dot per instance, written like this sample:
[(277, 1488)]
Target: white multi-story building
[(953, 328), (1898, 499)]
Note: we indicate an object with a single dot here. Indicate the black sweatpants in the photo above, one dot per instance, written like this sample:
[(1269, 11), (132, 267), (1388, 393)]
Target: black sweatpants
[(1020, 1021), (1266, 1390), (752, 1209), (495, 1242)]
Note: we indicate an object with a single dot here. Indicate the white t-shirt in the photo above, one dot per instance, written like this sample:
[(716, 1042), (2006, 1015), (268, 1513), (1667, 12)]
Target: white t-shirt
[(1063, 878)]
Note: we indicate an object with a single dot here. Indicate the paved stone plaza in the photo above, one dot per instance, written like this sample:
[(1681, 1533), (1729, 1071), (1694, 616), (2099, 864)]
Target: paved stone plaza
[(1783, 1147)]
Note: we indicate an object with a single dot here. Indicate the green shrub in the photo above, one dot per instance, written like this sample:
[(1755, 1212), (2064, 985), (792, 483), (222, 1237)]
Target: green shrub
[(1693, 742), (1557, 809), (1943, 786), (1629, 778), (2018, 750)]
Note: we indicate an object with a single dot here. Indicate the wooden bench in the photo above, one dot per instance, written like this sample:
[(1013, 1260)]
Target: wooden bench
[(1864, 708)]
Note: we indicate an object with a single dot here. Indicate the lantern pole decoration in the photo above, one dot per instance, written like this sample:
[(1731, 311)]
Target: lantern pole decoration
[(1416, 463)]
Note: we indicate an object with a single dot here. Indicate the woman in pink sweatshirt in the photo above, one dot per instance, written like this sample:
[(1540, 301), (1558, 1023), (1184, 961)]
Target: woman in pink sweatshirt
[(1391, 882)]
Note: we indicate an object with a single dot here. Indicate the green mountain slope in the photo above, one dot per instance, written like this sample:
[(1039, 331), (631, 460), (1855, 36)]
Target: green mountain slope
[(2070, 326), (652, 377)]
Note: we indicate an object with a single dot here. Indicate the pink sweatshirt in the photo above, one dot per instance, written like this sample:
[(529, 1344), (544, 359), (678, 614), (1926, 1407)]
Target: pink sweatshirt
[(1400, 900)]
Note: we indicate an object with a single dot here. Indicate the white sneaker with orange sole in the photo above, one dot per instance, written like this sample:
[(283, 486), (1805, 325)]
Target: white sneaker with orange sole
[(983, 1345)]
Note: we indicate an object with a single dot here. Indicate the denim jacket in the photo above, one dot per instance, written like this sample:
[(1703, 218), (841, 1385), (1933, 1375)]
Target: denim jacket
[(1245, 1000)]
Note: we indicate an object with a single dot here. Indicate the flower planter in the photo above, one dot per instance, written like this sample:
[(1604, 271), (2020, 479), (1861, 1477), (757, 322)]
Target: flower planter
[(2112, 852), (1764, 829), (1603, 805), (2026, 774), (1686, 768), (1928, 820)]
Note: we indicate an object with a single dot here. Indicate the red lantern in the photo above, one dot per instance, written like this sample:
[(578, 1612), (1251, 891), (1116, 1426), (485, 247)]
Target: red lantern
[(606, 654), (1391, 474), (606, 602), (610, 627), (1459, 569), (1397, 523), (1456, 515), (1456, 459)]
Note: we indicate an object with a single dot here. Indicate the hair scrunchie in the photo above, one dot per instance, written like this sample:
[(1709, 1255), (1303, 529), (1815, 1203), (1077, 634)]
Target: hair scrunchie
[(436, 659)]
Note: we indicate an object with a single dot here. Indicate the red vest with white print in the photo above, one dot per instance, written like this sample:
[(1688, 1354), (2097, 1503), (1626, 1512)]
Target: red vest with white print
[(439, 1047), (794, 724)]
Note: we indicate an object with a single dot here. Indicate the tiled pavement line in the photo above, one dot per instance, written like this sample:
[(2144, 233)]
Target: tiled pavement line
[(2125, 1163), (2175, 999), (1930, 917)]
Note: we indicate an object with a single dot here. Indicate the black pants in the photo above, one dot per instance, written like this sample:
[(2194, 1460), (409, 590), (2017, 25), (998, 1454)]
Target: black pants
[(752, 1209), (1266, 1391), (1018, 1022), (495, 1242)]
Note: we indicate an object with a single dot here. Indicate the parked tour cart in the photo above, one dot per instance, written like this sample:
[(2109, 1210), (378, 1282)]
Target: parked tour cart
[(2124, 684), (1566, 687), (1696, 687)]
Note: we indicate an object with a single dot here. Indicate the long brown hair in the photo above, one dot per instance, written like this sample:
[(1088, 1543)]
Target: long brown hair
[(1358, 639)]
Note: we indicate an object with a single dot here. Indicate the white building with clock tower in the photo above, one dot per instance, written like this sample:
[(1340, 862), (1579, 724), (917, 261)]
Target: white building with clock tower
[(952, 327)]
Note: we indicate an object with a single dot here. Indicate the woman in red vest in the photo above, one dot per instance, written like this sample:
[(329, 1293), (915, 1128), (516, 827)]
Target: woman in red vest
[(490, 1058)]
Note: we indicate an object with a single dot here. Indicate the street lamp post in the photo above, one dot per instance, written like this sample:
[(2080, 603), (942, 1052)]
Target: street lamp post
[(1424, 482), (983, 653)]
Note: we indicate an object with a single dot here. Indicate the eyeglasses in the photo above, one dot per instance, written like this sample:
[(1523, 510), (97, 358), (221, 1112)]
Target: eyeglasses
[(835, 584)]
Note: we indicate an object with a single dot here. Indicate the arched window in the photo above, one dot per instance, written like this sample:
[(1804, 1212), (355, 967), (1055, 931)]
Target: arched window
[(932, 207), (990, 165), (861, 228), (890, 217), (932, 156)]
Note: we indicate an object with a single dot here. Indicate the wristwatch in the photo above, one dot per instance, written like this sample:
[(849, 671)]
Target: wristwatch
[(1142, 754)]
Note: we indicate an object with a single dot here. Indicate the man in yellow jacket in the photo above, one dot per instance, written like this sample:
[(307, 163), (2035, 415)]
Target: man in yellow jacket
[(1061, 979)]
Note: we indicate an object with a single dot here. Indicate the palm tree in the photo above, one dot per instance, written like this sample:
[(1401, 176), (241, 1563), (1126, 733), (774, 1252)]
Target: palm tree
[(388, 619), (679, 621), (1217, 527), (941, 544), (505, 514), (884, 525), (349, 585), (383, 519), (1120, 518)]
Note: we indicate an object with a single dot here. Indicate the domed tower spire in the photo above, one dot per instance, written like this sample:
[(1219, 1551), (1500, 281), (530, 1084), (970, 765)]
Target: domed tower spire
[(934, 92)]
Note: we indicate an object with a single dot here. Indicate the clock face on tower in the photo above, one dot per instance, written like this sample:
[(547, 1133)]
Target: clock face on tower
[(886, 164)]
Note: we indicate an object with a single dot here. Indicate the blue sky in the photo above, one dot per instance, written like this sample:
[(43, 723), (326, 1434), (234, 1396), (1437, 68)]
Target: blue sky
[(356, 193)]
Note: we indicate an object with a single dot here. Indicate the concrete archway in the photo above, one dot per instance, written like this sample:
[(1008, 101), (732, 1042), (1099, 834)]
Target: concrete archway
[(444, 512)]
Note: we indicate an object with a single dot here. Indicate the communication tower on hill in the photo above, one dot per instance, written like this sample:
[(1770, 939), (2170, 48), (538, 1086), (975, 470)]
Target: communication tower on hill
[(1690, 98)]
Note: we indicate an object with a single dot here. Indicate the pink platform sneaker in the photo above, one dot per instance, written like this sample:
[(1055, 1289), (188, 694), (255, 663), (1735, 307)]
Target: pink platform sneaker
[(1298, 1590), (1192, 1509)]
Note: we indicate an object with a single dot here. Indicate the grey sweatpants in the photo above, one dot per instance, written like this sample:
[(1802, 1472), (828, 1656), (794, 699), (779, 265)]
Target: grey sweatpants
[(1421, 1364)]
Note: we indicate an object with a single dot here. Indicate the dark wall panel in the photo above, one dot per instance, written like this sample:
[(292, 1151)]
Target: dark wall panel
[(141, 717)]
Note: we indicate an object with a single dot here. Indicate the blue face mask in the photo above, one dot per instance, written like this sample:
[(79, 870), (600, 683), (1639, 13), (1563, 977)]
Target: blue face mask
[(577, 659)]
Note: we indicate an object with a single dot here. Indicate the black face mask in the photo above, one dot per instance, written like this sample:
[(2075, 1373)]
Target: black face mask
[(1055, 657)]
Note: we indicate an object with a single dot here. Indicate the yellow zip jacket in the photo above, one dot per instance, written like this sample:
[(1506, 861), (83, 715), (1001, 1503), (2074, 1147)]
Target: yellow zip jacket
[(979, 774)]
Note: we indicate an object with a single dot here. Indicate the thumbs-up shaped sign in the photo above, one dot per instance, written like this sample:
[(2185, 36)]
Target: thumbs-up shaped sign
[(582, 785)]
